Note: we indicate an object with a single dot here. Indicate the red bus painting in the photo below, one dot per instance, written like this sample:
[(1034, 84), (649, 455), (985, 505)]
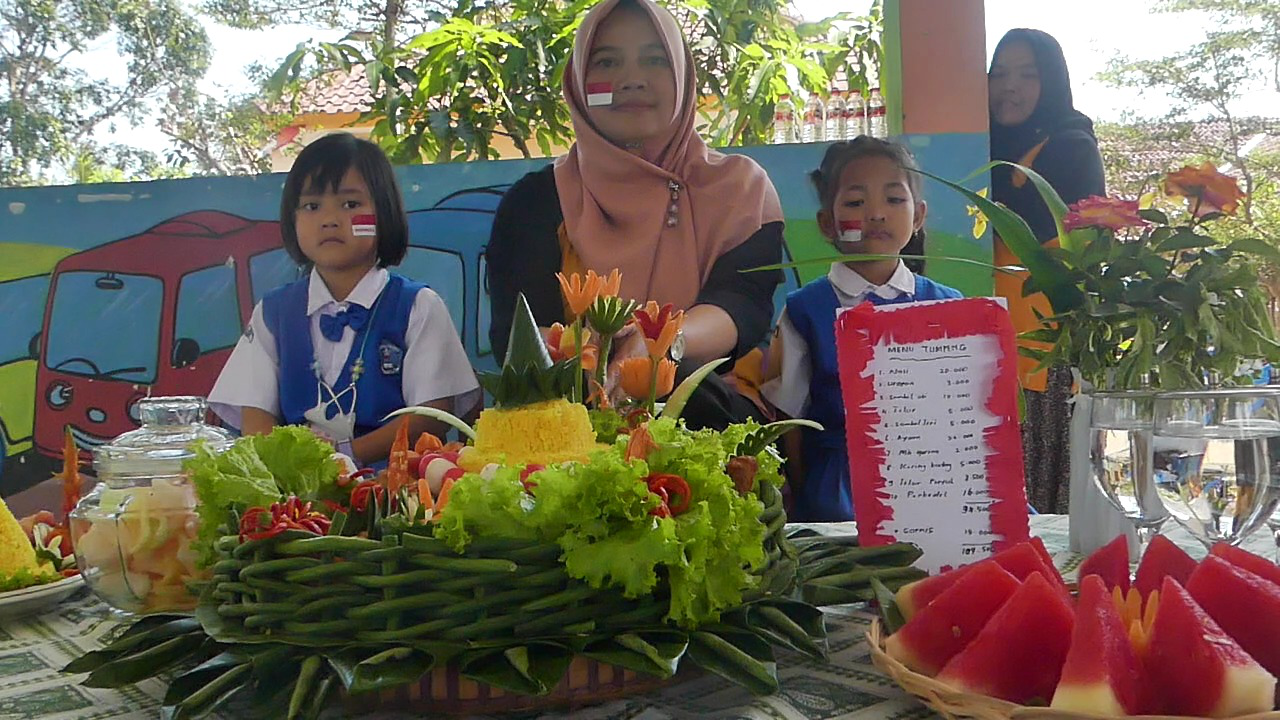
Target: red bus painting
[(157, 313)]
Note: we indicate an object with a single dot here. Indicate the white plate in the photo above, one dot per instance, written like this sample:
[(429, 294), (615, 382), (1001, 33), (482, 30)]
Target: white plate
[(17, 603)]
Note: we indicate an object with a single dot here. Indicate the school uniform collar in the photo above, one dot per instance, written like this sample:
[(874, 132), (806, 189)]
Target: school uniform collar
[(853, 285), (364, 294)]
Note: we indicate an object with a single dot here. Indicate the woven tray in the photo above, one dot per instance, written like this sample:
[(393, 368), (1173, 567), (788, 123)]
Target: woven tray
[(952, 704), (446, 692)]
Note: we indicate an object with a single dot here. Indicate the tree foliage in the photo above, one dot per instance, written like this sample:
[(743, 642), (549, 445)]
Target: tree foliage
[(50, 108), (492, 69)]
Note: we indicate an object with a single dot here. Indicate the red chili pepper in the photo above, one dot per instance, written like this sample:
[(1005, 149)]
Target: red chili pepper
[(528, 470), (360, 495), (672, 489), (260, 523)]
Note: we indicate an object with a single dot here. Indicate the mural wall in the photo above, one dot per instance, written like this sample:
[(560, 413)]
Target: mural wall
[(109, 293)]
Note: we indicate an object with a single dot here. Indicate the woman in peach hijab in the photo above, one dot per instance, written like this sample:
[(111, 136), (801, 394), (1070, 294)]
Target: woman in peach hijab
[(641, 192)]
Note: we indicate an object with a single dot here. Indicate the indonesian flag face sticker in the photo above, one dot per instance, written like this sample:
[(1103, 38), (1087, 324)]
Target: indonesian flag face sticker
[(599, 94), (850, 231), (364, 226)]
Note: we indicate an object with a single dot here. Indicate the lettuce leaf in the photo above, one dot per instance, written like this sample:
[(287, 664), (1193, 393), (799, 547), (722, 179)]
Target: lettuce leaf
[(255, 472), (599, 513), (301, 463)]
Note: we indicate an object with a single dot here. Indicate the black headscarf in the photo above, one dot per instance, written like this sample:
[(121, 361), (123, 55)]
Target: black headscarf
[(1055, 114), (1055, 111)]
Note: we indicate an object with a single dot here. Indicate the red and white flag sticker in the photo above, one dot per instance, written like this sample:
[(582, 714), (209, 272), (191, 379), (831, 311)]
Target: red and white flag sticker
[(364, 226), (850, 231), (599, 94)]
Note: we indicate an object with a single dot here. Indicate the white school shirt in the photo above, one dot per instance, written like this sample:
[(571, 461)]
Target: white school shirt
[(789, 392), (435, 364)]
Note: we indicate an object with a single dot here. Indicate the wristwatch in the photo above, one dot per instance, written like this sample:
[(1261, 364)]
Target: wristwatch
[(676, 353)]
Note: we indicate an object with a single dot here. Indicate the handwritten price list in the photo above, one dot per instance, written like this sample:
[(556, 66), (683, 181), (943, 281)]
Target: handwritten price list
[(931, 399)]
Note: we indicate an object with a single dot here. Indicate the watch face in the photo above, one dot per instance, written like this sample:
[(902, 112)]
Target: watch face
[(677, 347)]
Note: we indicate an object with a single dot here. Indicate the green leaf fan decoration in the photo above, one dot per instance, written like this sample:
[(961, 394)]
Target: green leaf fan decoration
[(528, 375)]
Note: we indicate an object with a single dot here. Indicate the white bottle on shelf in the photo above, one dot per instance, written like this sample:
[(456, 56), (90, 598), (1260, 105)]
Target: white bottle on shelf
[(782, 121), (815, 121), (837, 116), (877, 117), (857, 114)]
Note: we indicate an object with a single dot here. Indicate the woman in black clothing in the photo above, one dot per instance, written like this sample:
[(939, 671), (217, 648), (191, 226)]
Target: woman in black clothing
[(641, 192), (1034, 123)]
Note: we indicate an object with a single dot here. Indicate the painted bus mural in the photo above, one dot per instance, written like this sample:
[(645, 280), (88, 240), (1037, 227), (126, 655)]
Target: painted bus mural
[(112, 293)]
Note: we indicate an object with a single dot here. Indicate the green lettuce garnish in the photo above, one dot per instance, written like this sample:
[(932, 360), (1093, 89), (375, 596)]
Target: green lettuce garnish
[(25, 578), (599, 513), (255, 472)]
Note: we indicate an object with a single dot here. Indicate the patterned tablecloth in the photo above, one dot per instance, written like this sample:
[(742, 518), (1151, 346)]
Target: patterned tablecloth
[(847, 686)]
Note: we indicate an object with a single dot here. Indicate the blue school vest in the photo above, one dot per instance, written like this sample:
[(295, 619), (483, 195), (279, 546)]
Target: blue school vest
[(378, 390), (826, 495)]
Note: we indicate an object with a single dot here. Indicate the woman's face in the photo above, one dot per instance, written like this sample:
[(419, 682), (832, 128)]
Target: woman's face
[(628, 54), (1014, 84)]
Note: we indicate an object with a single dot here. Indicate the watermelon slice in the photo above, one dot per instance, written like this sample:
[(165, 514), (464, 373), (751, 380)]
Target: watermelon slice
[(1101, 674), (1054, 576), (1109, 562), (1021, 561), (1194, 668), (1162, 558), (939, 631), (1246, 560), (1244, 605), (1018, 656)]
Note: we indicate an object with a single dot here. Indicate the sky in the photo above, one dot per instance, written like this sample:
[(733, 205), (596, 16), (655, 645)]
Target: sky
[(1092, 32)]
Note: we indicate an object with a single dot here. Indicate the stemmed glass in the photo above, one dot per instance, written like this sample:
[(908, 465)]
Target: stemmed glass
[(1214, 449), (1120, 452)]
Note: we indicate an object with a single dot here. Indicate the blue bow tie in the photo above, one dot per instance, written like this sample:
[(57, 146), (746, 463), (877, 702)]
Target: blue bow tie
[(354, 316)]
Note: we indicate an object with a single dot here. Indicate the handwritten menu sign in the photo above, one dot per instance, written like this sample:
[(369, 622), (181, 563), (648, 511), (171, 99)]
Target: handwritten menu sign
[(935, 454)]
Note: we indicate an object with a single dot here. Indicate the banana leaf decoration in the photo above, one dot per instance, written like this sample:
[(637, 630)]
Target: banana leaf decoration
[(528, 374)]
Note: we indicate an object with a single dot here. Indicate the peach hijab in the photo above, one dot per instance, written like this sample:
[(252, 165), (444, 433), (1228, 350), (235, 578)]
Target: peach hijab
[(615, 202)]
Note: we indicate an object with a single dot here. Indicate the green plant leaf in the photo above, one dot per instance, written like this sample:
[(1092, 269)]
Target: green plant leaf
[(390, 668), (655, 653), (1057, 208), (532, 669), (890, 613), (739, 657), (1185, 239), (1255, 246), (1050, 273), (762, 437)]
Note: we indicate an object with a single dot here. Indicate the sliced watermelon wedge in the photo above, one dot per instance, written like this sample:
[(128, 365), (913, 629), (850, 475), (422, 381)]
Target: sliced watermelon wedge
[(1255, 564), (1194, 668), (939, 631), (1109, 562), (1018, 656), (1246, 606), (1101, 673), (1053, 576), (1162, 559), (1021, 561)]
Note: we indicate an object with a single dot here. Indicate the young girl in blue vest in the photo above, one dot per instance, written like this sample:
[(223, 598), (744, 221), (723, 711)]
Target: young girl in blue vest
[(870, 204), (350, 342)]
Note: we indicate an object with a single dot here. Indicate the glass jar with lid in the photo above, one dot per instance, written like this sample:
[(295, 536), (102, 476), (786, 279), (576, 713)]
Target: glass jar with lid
[(133, 532)]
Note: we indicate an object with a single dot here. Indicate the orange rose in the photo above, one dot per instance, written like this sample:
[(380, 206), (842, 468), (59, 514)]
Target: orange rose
[(579, 292), (1207, 189)]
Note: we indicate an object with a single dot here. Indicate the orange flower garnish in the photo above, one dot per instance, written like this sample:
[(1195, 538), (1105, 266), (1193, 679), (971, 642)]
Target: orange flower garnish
[(610, 286), (659, 327), (666, 378), (70, 475), (1138, 614), (579, 292), (1207, 189), (563, 345), (635, 374), (640, 444), (427, 443)]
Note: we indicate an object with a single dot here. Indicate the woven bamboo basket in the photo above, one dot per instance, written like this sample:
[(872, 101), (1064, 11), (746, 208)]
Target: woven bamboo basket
[(952, 704), (327, 591)]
